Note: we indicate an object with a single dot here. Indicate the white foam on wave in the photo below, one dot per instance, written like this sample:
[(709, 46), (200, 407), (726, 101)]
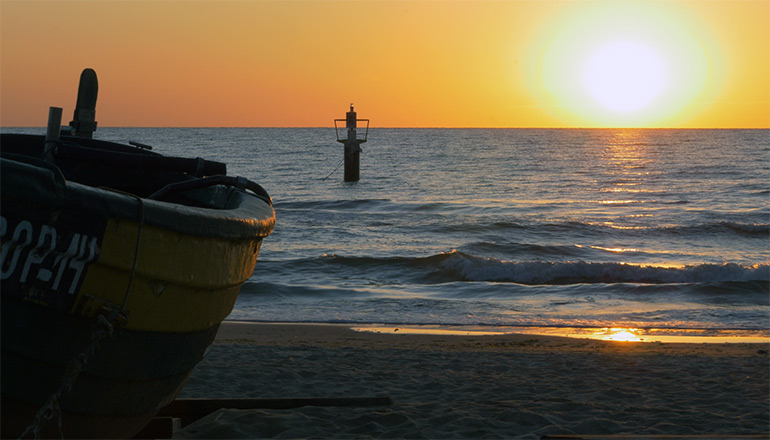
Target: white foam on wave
[(474, 268), (750, 228)]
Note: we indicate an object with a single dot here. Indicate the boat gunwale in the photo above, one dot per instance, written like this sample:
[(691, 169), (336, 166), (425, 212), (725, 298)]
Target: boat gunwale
[(248, 216)]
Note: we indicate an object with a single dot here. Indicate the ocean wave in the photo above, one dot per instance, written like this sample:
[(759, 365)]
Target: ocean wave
[(470, 216), (747, 228), (460, 266), (335, 205), (376, 205), (474, 268), (752, 229)]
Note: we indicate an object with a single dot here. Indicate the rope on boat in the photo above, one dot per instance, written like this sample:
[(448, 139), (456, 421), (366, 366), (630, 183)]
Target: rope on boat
[(241, 183), (115, 312), (102, 329)]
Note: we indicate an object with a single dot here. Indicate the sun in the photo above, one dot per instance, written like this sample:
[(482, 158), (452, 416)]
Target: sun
[(624, 76), (622, 64)]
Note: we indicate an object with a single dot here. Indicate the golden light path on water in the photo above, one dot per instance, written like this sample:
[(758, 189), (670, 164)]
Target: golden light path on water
[(624, 171), (614, 334)]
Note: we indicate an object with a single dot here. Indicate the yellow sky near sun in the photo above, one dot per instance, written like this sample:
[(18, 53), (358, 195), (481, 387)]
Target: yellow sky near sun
[(404, 64)]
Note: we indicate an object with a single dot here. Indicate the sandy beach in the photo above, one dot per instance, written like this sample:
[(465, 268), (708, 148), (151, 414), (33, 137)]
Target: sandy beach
[(468, 386)]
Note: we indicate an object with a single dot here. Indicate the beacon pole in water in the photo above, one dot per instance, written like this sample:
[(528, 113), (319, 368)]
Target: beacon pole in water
[(352, 144)]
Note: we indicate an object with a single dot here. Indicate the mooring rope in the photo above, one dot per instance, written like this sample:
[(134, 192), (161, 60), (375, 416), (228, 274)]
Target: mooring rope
[(136, 256), (335, 169), (102, 329)]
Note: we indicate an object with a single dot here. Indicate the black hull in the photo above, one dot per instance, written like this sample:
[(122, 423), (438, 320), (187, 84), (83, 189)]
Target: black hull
[(129, 376), (118, 265)]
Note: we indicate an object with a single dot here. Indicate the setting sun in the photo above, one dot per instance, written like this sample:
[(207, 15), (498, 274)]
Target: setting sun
[(624, 76), (629, 64)]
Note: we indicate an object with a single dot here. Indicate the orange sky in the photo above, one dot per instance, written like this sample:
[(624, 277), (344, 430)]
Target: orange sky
[(404, 64)]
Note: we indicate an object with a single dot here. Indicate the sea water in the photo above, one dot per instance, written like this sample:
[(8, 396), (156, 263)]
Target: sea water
[(562, 228)]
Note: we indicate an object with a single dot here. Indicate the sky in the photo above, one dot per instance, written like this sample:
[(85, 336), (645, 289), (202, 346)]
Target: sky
[(479, 63)]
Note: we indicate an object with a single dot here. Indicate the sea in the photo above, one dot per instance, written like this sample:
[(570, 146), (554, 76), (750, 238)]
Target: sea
[(663, 230)]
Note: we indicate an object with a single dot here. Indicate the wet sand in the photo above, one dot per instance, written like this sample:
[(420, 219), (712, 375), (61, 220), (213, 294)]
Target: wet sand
[(477, 386)]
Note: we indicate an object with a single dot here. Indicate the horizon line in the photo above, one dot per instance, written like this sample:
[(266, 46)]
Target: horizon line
[(412, 127)]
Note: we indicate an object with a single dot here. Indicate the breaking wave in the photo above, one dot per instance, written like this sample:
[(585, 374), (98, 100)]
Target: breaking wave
[(458, 266), (475, 268)]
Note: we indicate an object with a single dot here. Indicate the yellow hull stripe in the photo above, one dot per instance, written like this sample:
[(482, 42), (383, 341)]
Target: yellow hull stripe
[(182, 283)]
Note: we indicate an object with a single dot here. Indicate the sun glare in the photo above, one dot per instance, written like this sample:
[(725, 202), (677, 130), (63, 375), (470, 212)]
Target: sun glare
[(624, 76), (623, 64), (620, 334)]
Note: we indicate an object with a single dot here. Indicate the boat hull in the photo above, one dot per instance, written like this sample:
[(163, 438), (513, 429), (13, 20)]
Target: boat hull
[(110, 299), (124, 381)]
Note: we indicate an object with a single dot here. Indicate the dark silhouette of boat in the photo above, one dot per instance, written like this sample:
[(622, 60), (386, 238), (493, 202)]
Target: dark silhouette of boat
[(118, 266)]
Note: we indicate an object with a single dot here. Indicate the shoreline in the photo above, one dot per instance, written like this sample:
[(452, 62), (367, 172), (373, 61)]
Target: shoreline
[(619, 334), (337, 336)]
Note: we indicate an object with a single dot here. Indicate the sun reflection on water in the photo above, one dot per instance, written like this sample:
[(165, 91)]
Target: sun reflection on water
[(617, 250), (625, 165), (613, 334), (619, 334)]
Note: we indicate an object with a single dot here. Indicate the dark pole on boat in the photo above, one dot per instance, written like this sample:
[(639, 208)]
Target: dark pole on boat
[(84, 120), (352, 145), (52, 133)]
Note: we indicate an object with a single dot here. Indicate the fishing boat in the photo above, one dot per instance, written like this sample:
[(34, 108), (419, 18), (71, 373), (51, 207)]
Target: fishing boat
[(118, 266)]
